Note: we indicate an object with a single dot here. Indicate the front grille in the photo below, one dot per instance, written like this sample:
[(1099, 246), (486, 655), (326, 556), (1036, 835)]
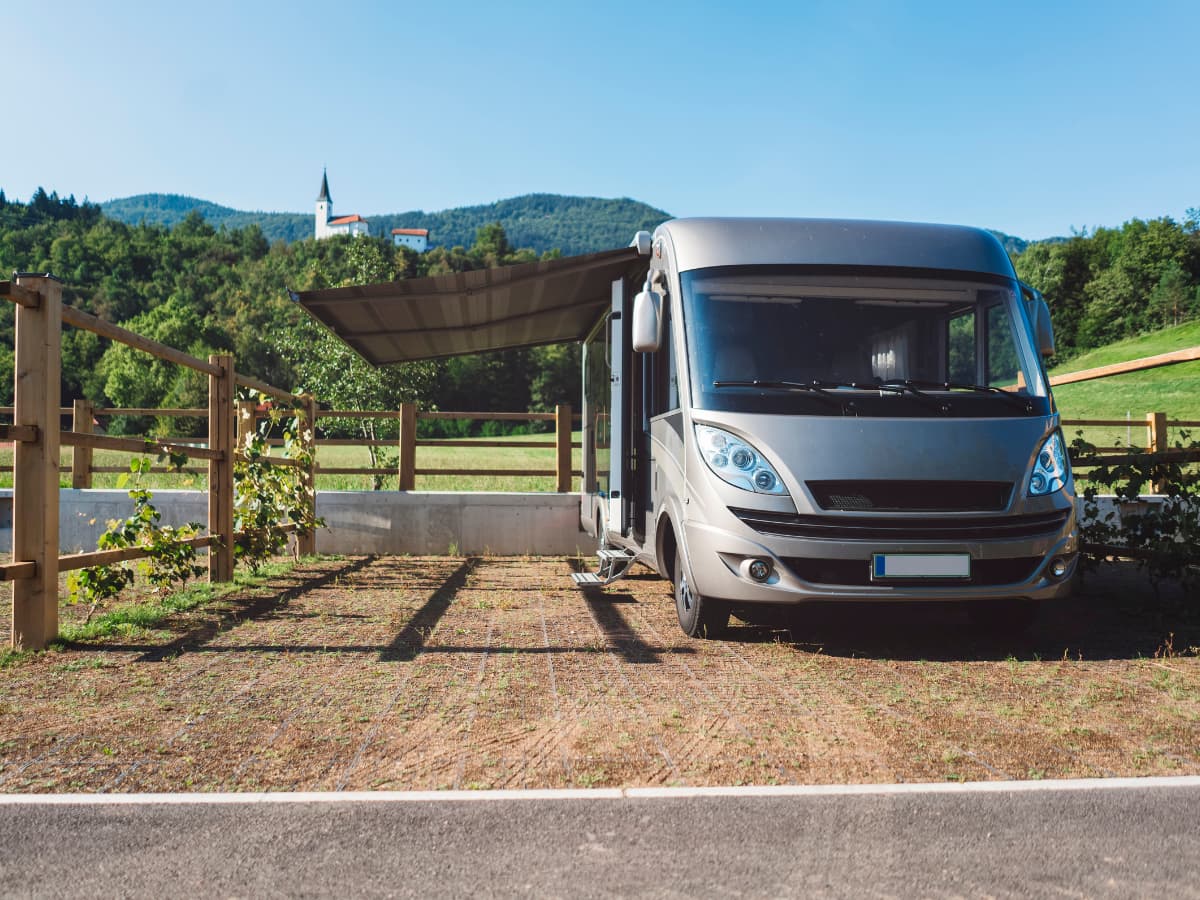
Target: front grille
[(912, 496), (857, 572), (906, 528)]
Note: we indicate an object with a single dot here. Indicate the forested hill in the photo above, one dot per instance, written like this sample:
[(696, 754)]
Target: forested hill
[(539, 221)]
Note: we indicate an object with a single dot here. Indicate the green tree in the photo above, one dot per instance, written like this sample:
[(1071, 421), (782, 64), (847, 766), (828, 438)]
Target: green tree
[(329, 370)]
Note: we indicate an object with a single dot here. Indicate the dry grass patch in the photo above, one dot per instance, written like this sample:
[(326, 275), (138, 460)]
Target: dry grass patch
[(434, 673)]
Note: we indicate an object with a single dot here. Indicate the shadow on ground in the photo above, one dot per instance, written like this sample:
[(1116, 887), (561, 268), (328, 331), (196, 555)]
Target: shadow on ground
[(1115, 614)]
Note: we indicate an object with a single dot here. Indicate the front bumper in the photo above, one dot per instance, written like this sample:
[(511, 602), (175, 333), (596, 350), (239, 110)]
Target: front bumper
[(811, 569)]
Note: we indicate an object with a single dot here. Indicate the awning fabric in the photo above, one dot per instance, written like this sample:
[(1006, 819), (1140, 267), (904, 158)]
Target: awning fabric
[(526, 305)]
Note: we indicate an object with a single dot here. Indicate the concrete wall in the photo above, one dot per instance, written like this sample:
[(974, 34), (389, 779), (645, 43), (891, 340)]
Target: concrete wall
[(382, 522)]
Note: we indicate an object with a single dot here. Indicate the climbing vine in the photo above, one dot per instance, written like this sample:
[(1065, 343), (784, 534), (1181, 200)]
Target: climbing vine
[(271, 501), (1163, 535), (170, 560), (269, 497)]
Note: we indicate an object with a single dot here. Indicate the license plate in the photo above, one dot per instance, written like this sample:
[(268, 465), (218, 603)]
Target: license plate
[(886, 566)]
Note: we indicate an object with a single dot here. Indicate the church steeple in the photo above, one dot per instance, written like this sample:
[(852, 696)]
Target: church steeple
[(324, 195)]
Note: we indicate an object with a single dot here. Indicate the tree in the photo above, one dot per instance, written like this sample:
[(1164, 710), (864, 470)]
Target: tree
[(135, 378), (329, 370), (1171, 300)]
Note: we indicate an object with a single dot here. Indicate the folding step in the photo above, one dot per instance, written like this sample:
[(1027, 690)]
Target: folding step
[(616, 553), (614, 563)]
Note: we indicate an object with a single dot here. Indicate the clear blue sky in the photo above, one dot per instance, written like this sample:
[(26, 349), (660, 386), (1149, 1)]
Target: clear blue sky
[(1028, 117)]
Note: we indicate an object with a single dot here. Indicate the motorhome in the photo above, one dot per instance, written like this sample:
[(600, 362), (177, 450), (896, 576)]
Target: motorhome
[(804, 410), (781, 411)]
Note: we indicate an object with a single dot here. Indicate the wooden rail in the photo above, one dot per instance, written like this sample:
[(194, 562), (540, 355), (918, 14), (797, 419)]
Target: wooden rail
[(80, 319), (37, 435), (1191, 354)]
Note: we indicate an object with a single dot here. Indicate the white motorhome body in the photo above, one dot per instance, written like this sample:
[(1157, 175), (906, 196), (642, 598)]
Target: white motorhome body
[(827, 410), (784, 410)]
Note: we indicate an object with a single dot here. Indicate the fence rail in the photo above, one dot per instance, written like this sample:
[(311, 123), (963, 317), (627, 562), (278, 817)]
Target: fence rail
[(37, 436), (247, 414)]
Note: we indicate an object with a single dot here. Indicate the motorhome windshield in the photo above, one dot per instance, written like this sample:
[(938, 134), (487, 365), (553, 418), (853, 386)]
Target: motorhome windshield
[(786, 341)]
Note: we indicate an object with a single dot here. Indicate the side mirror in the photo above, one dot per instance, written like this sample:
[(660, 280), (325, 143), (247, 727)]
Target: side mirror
[(1045, 328), (647, 322), (1039, 317)]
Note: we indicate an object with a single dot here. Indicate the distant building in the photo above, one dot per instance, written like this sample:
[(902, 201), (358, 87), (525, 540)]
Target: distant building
[(413, 238), (326, 226)]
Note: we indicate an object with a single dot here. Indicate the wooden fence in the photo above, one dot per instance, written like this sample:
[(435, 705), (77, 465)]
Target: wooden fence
[(37, 436), (1157, 428), (83, 416)]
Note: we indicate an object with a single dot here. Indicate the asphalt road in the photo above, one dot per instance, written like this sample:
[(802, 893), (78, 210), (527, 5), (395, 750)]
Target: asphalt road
[(1110, 841)]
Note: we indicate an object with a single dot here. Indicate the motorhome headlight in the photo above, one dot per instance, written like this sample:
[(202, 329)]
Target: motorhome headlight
[(736, 462), (1050, 468)]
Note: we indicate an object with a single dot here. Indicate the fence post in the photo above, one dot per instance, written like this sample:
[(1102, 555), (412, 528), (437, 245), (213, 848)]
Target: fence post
[(562, 440), (1156, 426), (408, 446), (81, 458), (220, 471), (38, 374), (306, 544)]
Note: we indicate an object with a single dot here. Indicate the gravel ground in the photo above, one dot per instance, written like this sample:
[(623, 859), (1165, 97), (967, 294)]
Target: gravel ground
[(436, 673)]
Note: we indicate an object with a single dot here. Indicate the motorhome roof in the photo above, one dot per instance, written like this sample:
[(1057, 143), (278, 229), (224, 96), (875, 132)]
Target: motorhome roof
[(707, 242)]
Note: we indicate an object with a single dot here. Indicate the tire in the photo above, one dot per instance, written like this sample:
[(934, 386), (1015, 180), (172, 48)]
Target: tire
[(699, 617), (1003, 617)]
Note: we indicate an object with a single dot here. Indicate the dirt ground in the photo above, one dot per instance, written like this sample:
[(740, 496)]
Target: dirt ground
[(434, 673)]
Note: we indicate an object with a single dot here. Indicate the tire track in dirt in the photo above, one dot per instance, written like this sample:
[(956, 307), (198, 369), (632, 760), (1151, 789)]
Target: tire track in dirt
[(557, 732), (999, 726), (831, 716), (406, 649), (589, 733), (704, 741), (521, 741), (187, 726), (610, 636), (54, 756)]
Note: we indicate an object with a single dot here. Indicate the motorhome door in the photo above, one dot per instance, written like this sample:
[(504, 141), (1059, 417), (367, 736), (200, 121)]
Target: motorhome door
[(617, 519)]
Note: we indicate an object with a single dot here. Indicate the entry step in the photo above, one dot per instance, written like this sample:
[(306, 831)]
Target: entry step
[(616, 553), (614, 563)]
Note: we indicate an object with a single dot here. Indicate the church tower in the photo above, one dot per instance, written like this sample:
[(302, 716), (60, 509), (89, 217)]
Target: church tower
[(324, 207)]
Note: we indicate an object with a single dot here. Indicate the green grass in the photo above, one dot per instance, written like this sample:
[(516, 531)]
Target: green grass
[(138, 617), (1174, 389), (431, 457)]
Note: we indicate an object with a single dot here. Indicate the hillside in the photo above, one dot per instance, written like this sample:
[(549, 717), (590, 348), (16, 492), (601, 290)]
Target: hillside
[(538, 221), (1174, 390)]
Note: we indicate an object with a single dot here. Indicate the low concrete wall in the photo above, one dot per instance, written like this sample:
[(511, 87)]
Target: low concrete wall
[(383, 522), (425, 522)]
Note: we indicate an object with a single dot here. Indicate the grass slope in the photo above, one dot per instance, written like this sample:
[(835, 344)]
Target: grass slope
[(1174, 390)]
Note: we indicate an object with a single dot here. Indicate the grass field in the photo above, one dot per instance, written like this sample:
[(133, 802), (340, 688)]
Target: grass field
[(431, 457), (1174, 390)]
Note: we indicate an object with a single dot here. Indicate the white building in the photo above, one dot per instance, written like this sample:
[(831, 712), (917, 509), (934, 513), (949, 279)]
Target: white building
[(413, 238), (326, 226)]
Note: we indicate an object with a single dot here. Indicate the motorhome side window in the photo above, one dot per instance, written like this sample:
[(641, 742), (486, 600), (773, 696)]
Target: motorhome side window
[(780, 340)]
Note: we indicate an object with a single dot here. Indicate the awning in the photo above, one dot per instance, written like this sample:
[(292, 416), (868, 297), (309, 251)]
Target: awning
[(526, 305)]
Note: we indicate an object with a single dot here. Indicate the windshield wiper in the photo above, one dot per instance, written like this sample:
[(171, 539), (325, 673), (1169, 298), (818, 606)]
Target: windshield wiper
[(1014, 399), (912, 388), (817, 389)]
